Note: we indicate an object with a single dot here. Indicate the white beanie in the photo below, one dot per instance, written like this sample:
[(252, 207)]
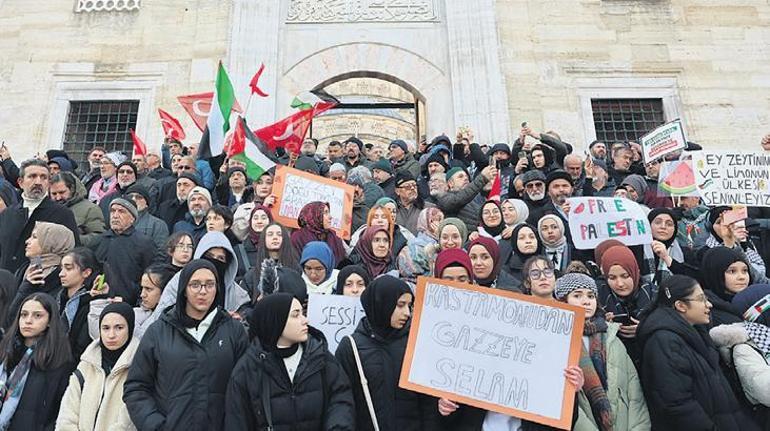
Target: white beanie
[(202, 191)]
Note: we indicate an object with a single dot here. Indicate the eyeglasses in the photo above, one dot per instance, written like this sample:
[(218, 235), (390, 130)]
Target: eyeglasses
[(665, 223), (411, 186), (537, 273), (537, 185), (184, 168), (184, 247), (700, 298), (197, 286)]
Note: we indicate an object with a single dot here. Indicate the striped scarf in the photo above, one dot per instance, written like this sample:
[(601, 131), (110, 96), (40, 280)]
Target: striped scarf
[(594, 366)]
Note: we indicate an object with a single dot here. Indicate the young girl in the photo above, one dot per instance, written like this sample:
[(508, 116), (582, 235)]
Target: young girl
[(35, 363), (352, 281), (94, 397), (682, 379), (524, 244), (318, 268), (550, 227), (373, 252), (612, 396), (179, 248)]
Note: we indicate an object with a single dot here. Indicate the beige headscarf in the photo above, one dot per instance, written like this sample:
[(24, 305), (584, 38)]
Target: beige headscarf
[(55, 241)]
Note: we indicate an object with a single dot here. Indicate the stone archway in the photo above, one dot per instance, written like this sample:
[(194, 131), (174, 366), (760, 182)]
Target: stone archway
[(426, 81)]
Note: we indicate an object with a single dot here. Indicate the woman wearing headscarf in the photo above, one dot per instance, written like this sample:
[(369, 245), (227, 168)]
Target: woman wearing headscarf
[(94, 397), (682, 378), (181, 368), (381, 215), (636, 187), (484, 254), (259, 219), (35, 363), (318, 268), (625, 296), (724, 273), (450, 233), (373, 252), (411, 260), (287, 379), (515, 212), (524, 244), (45, 247), (491, 220), (352, 281), (612, 397), (733, 236), (552, 234), (745, 347), (315, 225), (380, 340), (664, 256)]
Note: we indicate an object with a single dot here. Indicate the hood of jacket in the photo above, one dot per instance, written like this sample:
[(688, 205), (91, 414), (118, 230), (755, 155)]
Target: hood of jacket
[(218, 239), (729, 335), (667, 320), (80, 192), (93, 355)]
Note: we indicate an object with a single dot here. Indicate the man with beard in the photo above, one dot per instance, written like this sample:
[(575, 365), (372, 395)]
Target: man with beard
[(18, 220), (142, 177), (108, 182), (409, 203), (94, 163), (534, 190), (334, 152), (125, 252), (199, 202), (309, 148), (559, 186), (598, 150), (67, 190), (434, 164), (501, 156), (353, 157), (360, 208), (174, 209)]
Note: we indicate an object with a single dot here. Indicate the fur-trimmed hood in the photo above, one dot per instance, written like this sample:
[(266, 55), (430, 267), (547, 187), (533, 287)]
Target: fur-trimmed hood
[(729, 335)]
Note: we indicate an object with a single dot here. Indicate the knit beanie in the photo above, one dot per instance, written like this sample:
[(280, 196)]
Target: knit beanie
[(572, 281)]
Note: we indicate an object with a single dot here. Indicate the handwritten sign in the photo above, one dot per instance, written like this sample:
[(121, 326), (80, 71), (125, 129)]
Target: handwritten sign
[(726, 178), (336, 316), (493, 349), (293, 189), (593, 220), (676, 178), (662, 141)]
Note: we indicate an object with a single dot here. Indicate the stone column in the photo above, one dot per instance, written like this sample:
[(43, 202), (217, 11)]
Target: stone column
[(479, 93)]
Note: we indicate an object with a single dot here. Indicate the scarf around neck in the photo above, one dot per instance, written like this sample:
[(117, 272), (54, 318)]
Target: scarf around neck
[(12, 386), (593, 362)]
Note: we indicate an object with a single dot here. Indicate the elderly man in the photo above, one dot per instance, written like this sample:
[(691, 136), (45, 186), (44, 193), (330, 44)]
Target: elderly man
[(402, 159), (126, 174), (433, 164), (125, 252), (408, 202), (598, 150), (337, 172), (146, 223), (198, 202), (108, 182), (18, 220), (155, 170), (534, 189), (174, 209), (67, 190)]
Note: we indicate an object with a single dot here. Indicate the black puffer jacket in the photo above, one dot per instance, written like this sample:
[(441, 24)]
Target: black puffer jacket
[(319, 398), (682, 379), (41, 398), (128, 255), (177, 383), (396, 409)]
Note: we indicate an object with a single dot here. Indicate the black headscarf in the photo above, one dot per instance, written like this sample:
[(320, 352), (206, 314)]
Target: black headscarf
[(492, 230), (658, 211), (715, 262), (110, 357), (380, 299), (181, 294), (345, 272), (268, 320), (515, 242), (714, 214)]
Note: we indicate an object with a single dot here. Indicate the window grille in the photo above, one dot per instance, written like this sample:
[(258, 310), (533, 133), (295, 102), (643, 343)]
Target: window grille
[(619, 120), (104, 123)]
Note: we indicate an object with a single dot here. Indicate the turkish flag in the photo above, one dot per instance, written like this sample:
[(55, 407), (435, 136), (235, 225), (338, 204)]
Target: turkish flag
[(171, 126), (199, 105), (139, 148), (494, 193), (287, 133)]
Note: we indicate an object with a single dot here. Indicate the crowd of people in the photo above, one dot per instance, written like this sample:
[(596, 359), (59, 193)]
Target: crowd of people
[(157, 292)]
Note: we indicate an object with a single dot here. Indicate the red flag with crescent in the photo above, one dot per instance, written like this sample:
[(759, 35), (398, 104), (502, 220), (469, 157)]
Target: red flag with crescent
[(494, 193), (139, 148), (171, 126), (290, 132), (198, 107)]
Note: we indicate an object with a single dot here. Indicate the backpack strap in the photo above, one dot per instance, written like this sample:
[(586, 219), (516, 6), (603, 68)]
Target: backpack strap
[(364, 384), (266, 402), (79, 376)]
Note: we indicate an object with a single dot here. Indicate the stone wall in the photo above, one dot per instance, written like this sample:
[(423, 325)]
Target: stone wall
[(712, 58)]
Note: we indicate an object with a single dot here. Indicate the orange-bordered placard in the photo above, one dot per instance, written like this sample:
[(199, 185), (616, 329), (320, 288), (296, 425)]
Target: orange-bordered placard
[(293, 189), (494, 349)]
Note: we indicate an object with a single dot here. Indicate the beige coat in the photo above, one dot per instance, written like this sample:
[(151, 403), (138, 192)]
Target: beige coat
[(79, 406)]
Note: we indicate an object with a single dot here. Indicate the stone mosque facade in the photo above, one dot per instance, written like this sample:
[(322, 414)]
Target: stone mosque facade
[(407, 69)]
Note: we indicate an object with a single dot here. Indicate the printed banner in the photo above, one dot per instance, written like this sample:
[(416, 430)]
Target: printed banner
[(293, 189), (593, 220), (493, 349), (727, 178), (662, 141), (336, 316)]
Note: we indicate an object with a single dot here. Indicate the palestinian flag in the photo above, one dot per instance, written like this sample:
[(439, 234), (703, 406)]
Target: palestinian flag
[(249, 149), (219, 118), (314, 98)]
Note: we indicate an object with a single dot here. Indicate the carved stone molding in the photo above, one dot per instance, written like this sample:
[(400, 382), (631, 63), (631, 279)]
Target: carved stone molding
[(107, 5), (356, 11)]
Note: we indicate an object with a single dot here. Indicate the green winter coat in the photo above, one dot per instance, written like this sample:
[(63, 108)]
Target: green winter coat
[(87, 214), (624, 390)]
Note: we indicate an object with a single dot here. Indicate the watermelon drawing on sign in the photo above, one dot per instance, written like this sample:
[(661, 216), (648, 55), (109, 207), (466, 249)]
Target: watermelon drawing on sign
[(680, 181)]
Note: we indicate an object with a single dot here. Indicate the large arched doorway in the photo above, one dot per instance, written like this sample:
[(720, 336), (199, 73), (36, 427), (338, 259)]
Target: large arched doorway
[(375, 108)]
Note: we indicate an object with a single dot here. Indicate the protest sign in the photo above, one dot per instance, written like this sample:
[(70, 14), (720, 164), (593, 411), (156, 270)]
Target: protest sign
[(731, 178), (593, 220), (664, 140), (336, 316), (676, 178), (493, 349), (293, 189), (734, 215)]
